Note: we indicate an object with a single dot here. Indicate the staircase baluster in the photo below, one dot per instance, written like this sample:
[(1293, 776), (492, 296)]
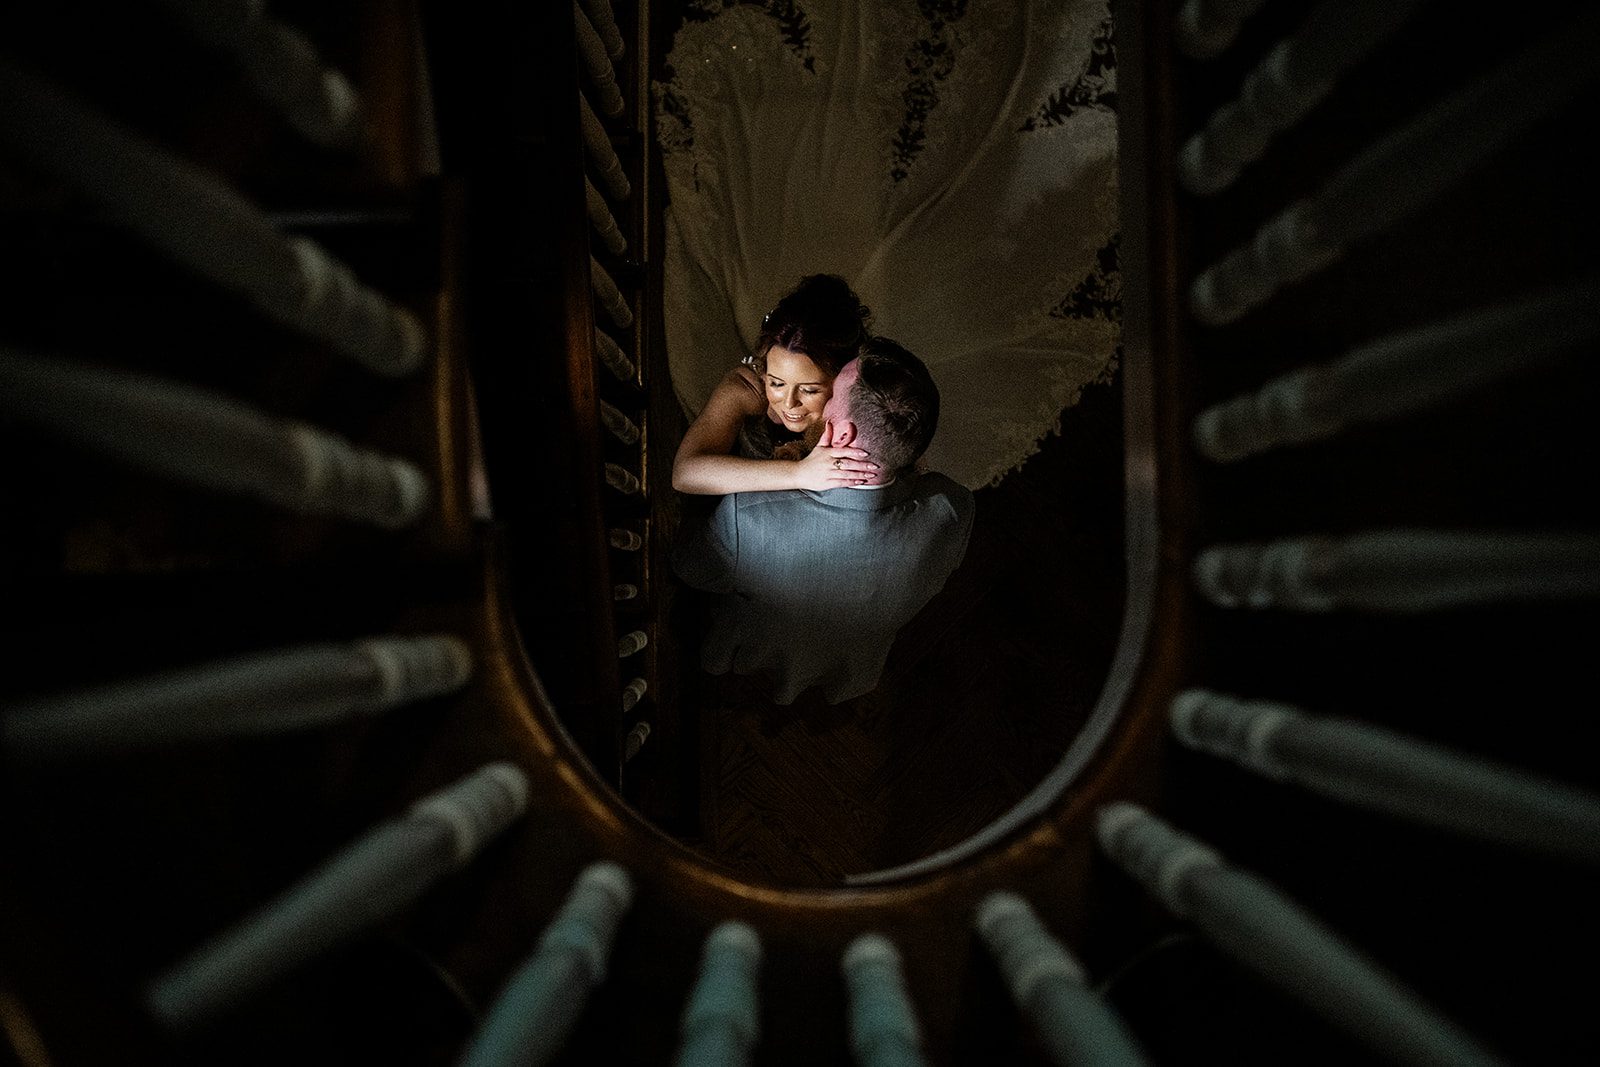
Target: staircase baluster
[(635, 740), (618, 425), (1400, 173), (605, 224), (203, 439), (373, 879), (1401, 373), (1256, 925), (280, 66), (883, 1025), (537, 1007), (598, 63), (1078, 1028), (622, 481), (611, 354), (204, 226), (722, 1021), (1400, 570), (605, 23), (289, 689), (1207, 27), (601, 154), (1295, 77), (611, 298), (1375, 768)]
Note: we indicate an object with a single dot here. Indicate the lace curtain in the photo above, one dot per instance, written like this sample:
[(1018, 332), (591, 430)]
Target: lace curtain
[(955, 161)]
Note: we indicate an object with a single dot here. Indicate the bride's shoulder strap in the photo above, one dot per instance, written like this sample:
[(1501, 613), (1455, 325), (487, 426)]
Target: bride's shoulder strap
[(748, 377)]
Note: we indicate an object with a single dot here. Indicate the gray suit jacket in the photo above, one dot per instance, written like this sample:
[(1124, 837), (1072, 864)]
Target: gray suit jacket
[(813, 586)]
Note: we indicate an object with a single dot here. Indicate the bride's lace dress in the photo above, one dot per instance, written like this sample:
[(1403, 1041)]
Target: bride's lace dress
[(955, 161)]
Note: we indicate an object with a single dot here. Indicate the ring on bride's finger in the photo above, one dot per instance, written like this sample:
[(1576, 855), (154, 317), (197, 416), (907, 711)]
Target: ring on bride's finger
[(838, 463)]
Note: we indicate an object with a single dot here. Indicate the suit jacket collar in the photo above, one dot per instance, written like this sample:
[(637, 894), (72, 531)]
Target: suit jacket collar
[(865, 499)]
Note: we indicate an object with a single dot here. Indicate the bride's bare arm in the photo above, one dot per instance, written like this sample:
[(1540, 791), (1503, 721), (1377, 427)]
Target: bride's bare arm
[(706, 466)]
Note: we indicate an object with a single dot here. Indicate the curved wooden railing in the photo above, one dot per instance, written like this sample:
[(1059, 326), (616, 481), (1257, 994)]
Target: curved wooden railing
[(558, 263)]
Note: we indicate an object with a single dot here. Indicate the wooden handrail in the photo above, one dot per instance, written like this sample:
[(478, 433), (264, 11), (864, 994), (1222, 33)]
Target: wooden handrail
[(534, 366)]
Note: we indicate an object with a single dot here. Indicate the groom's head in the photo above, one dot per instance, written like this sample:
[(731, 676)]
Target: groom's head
[(884, 401)]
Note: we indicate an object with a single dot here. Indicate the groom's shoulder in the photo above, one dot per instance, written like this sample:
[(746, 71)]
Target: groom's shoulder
[(754, 504), (935, 482), (931, 485)]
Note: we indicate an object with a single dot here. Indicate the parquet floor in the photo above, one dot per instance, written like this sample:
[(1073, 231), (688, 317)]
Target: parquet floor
[(983, 691)]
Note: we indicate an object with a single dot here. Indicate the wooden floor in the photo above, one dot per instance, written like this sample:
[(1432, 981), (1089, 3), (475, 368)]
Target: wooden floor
[(983, 691)]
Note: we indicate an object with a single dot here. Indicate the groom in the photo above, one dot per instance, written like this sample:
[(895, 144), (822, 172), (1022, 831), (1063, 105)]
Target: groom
[(814, 586)]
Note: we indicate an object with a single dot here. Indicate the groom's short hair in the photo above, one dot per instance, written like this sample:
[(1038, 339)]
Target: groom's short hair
[(894, 404)]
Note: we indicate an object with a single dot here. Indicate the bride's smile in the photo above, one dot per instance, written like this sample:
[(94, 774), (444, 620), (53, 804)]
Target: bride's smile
[(797, 389)]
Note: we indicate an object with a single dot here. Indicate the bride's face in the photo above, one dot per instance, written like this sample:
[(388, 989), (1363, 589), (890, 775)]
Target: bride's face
[(797, 389)]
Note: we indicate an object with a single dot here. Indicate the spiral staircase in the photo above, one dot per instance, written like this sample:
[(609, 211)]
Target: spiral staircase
[(341, 720)]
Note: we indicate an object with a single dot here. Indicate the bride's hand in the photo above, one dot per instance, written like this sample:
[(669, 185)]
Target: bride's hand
[(828, 467)]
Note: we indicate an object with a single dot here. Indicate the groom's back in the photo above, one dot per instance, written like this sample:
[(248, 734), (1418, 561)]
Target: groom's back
[(822, 581)]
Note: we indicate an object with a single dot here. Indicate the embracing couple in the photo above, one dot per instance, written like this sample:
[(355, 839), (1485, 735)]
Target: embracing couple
[(828, 537)]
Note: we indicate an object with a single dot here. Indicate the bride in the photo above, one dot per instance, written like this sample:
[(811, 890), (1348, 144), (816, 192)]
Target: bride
[(771, 406), (956, 162)]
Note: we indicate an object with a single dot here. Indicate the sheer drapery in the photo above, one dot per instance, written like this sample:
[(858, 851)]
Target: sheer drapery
[(955, 162)]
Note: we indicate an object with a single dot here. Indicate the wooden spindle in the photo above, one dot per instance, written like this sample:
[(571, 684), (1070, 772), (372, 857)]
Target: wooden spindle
[(632, 693), (618, 425), (883, 1025), (1375, 768), (614, 360), (1400, 173), (601, 155), (203, 439), (288, 689), (634, 741), (1256, 925), (1291, 246), (597, 63), (370, 881), (1207, 27), (1400, 570), (536, 1010), (611, 298), (605, 23), (722, 1020), (335, 307), (279, 65), (623, 482), (625, 540), (1076, 1026), (1295, 77), (1402, 373), (204, 226), (605, 224)]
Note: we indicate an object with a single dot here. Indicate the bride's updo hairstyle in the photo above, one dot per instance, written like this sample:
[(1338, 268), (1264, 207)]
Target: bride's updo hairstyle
[(822, 319)]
